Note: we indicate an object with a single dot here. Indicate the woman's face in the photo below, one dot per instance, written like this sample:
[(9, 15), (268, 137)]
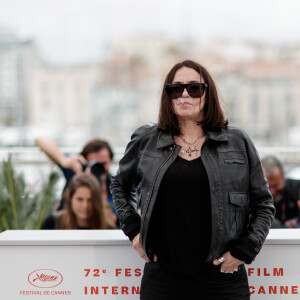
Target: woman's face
[(192, 108), (81, 203)]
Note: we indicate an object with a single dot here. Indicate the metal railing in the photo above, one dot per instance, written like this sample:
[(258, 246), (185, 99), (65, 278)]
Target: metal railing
[(33, 162), (33, 155)]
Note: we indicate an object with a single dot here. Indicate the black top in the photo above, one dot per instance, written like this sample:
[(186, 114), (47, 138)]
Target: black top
[(287, 208), (180, 235), (52, 222)]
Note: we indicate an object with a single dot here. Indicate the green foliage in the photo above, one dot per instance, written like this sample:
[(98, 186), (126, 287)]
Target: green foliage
[(20, 208)]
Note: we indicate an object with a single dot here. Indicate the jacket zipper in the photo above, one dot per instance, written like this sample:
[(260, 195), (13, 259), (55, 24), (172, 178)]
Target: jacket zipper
[(150, 195), (210, 184)]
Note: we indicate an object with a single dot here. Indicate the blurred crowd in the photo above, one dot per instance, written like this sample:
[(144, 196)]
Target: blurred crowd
[(285, 192), (86, 201)]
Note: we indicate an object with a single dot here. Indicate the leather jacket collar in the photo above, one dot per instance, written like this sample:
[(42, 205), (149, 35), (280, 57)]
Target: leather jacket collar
[(165, 138)]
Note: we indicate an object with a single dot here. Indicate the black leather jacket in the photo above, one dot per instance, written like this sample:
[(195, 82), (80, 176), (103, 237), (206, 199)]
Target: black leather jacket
[(242, 206)]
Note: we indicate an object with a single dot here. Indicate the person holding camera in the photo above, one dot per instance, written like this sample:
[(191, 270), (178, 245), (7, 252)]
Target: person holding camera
[(285, 192), (95, 157), (84, 207)]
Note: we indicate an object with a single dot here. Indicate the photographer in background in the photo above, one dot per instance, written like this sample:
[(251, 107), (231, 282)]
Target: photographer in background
[(95, 157), (285, 192)]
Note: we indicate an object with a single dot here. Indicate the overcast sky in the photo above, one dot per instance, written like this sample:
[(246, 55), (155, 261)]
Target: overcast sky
[(77, 30)]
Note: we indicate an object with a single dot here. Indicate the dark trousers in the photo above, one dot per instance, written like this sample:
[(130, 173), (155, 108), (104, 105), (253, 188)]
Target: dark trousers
[(212, 285)]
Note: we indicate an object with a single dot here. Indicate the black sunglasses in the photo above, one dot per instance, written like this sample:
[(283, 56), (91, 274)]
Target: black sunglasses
[(195, 90)]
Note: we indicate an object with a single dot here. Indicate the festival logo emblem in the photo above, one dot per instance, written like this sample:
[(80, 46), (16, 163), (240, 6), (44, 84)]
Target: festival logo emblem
[(45, 278)]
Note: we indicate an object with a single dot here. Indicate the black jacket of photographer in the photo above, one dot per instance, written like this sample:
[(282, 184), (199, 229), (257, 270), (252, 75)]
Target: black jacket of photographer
[(242, 206)]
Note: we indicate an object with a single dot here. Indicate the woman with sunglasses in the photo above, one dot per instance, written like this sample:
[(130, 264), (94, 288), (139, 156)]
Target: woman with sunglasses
[(205, 204)]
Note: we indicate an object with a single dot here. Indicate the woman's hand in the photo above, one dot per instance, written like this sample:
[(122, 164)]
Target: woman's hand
[(229, 264), (137, 246)]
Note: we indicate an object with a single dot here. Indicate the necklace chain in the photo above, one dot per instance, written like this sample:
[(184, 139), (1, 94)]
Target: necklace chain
[(194, 144), (191, 144)]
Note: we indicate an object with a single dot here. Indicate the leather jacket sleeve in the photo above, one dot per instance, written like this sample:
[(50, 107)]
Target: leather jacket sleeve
[(262, 209), (124, 185)]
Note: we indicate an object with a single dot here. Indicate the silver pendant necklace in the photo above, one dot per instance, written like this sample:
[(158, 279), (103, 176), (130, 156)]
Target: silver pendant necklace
[(194, 144)]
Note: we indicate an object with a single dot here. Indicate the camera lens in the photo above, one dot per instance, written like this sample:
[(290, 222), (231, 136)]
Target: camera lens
[(97, 168)]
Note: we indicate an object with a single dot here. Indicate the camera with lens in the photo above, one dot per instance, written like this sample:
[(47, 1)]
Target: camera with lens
[(96, 167)]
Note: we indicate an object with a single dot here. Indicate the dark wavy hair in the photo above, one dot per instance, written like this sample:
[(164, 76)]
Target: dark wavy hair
[(214, 119), (95, 146)]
